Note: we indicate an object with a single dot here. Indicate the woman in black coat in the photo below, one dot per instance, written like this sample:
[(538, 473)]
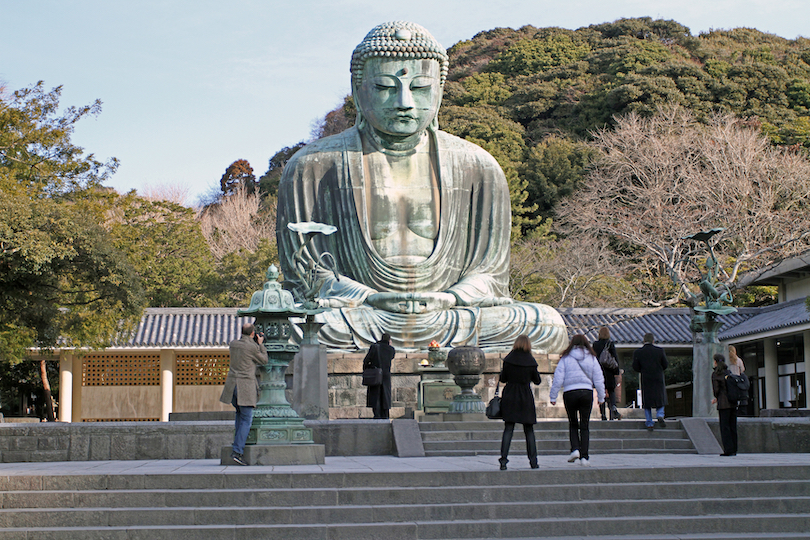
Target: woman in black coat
[(610, 374), (517, 401), (726, 409)]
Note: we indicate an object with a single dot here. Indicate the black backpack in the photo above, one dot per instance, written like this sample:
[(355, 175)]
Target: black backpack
[(606, 359), (737, 387)]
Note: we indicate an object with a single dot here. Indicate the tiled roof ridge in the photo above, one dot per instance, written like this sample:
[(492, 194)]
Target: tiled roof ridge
[(217, 326)]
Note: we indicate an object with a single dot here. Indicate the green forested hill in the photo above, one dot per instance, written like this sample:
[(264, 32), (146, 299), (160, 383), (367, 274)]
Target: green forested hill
[(532, 96)]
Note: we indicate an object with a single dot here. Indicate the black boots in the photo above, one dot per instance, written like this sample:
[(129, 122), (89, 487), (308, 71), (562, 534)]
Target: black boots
[(506, 442), (531, 445)]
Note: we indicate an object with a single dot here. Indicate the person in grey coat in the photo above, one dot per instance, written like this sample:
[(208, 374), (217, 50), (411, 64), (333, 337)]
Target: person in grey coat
[(517, 402), (650, 362), (242, 385)]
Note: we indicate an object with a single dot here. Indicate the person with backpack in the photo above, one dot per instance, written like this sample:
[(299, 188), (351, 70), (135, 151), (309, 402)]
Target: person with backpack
[(578, 373), (608, 359), (726, 408)]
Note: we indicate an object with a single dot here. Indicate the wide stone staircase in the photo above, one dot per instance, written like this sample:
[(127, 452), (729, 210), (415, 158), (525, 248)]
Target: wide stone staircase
[(700, 502), (484, 438)]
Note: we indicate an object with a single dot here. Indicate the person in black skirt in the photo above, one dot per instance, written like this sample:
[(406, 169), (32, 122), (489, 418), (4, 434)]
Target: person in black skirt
[(517, 401)]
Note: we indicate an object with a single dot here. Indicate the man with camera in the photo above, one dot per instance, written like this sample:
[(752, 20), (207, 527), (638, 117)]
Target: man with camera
[(242, 385)]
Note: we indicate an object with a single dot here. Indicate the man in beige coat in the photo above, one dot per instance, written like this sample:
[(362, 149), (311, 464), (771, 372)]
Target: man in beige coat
[(242, 385)]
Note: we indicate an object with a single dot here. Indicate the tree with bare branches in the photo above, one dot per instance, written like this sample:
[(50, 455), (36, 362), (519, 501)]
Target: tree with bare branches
[(238, 221), (240, 231), (176, 193), (663, 178), (568, 273)]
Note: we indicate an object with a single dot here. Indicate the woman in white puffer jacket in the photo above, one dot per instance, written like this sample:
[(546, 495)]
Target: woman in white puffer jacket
[(578, 373)]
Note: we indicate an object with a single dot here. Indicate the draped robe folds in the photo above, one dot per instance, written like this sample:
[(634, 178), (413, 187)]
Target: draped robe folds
[(324, 183)]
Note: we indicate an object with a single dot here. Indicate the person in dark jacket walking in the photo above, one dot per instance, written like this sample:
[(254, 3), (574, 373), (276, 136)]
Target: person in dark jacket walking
[(609, 374), (517, 401), (379, 397), (726, 409), (650, 362)]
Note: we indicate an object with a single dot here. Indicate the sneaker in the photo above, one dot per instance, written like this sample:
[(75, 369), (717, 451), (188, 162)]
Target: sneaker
[(585, 462), (649, 428), (574, 456), (239, 459), (661, 423)]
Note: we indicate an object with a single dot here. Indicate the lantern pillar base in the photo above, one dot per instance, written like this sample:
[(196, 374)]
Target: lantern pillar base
[(281, 454)]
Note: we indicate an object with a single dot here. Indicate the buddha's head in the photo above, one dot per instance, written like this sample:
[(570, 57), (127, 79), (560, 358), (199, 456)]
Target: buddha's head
[(398, 73)]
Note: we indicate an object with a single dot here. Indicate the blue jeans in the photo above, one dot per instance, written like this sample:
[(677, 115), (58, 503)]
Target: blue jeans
[(659, 413), (244, 419)]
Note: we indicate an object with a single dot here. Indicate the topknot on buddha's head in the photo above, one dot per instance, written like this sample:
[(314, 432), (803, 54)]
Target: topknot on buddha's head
[(398, 39)]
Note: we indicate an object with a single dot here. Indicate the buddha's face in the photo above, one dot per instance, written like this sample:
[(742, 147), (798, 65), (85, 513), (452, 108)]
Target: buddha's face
[(399, 98)]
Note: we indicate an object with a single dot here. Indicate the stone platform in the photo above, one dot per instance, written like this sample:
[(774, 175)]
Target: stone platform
[(617, 497), (103, 441)]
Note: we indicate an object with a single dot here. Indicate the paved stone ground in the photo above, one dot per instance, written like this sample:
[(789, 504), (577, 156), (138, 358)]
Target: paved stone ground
[(395, 464)]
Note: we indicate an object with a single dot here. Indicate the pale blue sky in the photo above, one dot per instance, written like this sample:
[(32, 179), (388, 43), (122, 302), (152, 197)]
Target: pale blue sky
[(189, 86)]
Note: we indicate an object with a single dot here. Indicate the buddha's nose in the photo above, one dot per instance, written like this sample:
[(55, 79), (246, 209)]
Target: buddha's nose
[(405, 100)]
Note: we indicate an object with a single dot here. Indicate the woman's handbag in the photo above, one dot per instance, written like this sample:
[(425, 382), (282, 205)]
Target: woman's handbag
[(372, 376), (493, 411)]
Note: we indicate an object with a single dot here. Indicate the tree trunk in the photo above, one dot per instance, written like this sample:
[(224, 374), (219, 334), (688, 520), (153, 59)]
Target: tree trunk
[(43, 373)]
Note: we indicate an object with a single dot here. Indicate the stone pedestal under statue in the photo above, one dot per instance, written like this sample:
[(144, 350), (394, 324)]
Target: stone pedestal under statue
[(702, 367), (310, 383), (704, 349)]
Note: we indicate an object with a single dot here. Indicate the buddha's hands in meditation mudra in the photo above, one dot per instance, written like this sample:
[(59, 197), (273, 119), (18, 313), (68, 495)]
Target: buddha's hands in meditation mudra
[(424, 302), (411, 302)]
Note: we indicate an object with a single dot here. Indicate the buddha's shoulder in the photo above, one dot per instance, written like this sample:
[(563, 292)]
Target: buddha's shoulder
[(463, 148), (322, 148)]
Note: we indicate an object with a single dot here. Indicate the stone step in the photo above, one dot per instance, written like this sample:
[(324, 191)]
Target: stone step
[(516, 528), (686, 502), (376, 513), (544, 434), (483, 438), (499, 492), (520, 452), (12, 484), (487, 425), (563, 444)]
